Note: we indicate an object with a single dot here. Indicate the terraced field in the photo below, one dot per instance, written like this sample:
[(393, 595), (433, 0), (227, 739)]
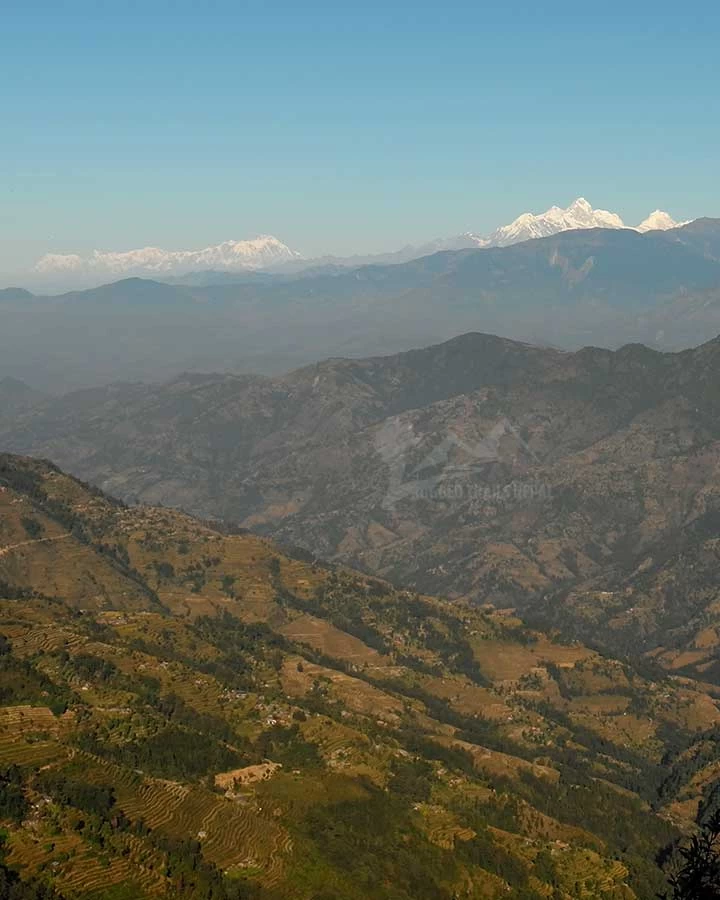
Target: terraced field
[(91, 873), (331, 641), (47, 639), (420, 748), (30, 736), (234, 834), (442, 829), (241, 836)]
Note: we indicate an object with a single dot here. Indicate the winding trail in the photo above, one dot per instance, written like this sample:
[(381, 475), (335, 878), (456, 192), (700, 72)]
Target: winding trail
[(60, 537)]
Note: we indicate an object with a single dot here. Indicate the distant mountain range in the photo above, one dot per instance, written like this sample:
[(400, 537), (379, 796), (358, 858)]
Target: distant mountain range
[(262, 252), (579, 215), (588, 286), (266, 252)]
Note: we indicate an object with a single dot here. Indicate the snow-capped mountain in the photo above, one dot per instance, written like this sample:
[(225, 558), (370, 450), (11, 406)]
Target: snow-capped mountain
[(526, 227), (267, 252), (262, 252), (658, 221), (554, 220), (579, 214)]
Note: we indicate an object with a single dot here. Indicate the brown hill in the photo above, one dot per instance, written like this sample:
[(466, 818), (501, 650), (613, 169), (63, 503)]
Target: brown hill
[(480, 468)]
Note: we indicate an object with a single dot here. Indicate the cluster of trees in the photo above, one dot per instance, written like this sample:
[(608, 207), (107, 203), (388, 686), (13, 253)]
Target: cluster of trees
[(697, 871), (376, 851), (620, 821), (13, 804), (13, 592), (88, 667), (286, 745), (687, 755), (13, 888), (22, 682), (33, 527), (192, 876), (172, 752), (77, 792), (482, 851)]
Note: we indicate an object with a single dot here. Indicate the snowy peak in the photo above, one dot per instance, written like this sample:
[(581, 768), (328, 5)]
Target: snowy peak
[(267, 252), (658, 221), (579, 214), (262, 252), (579, 207)]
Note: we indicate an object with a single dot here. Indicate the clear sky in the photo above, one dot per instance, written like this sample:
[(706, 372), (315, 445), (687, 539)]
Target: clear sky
[(345, 127)]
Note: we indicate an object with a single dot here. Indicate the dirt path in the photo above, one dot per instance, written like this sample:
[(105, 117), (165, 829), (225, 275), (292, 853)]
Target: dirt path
[(60, 537)]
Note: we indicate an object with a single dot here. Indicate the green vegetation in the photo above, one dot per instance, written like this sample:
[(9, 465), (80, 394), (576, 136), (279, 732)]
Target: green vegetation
[(22, 682), (13, 804), (698, 874), (295, 730), (381, 854), (13, 888)]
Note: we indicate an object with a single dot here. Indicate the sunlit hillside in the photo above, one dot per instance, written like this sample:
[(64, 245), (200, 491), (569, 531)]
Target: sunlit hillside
[(186, 708)]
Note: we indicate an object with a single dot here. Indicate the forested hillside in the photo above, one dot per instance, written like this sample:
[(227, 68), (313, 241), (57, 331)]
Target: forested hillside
[(190, 712)]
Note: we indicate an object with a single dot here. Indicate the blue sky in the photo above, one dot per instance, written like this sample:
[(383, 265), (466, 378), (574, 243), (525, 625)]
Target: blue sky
[(345, 128)]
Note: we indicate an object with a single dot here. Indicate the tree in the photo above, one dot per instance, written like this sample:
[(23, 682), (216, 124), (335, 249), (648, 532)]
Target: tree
[(32, 527), (698, 877)]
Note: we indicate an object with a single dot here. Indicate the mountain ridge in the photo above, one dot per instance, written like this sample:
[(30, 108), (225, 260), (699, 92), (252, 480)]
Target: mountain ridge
[(268, 253), (261, 252), (602, 286), (614, 453)]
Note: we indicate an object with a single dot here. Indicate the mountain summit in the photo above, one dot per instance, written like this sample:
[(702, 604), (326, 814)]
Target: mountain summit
[(554, 220), (260, 252), (579, 214), (659, 221), (267, 252), (527, 226)]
